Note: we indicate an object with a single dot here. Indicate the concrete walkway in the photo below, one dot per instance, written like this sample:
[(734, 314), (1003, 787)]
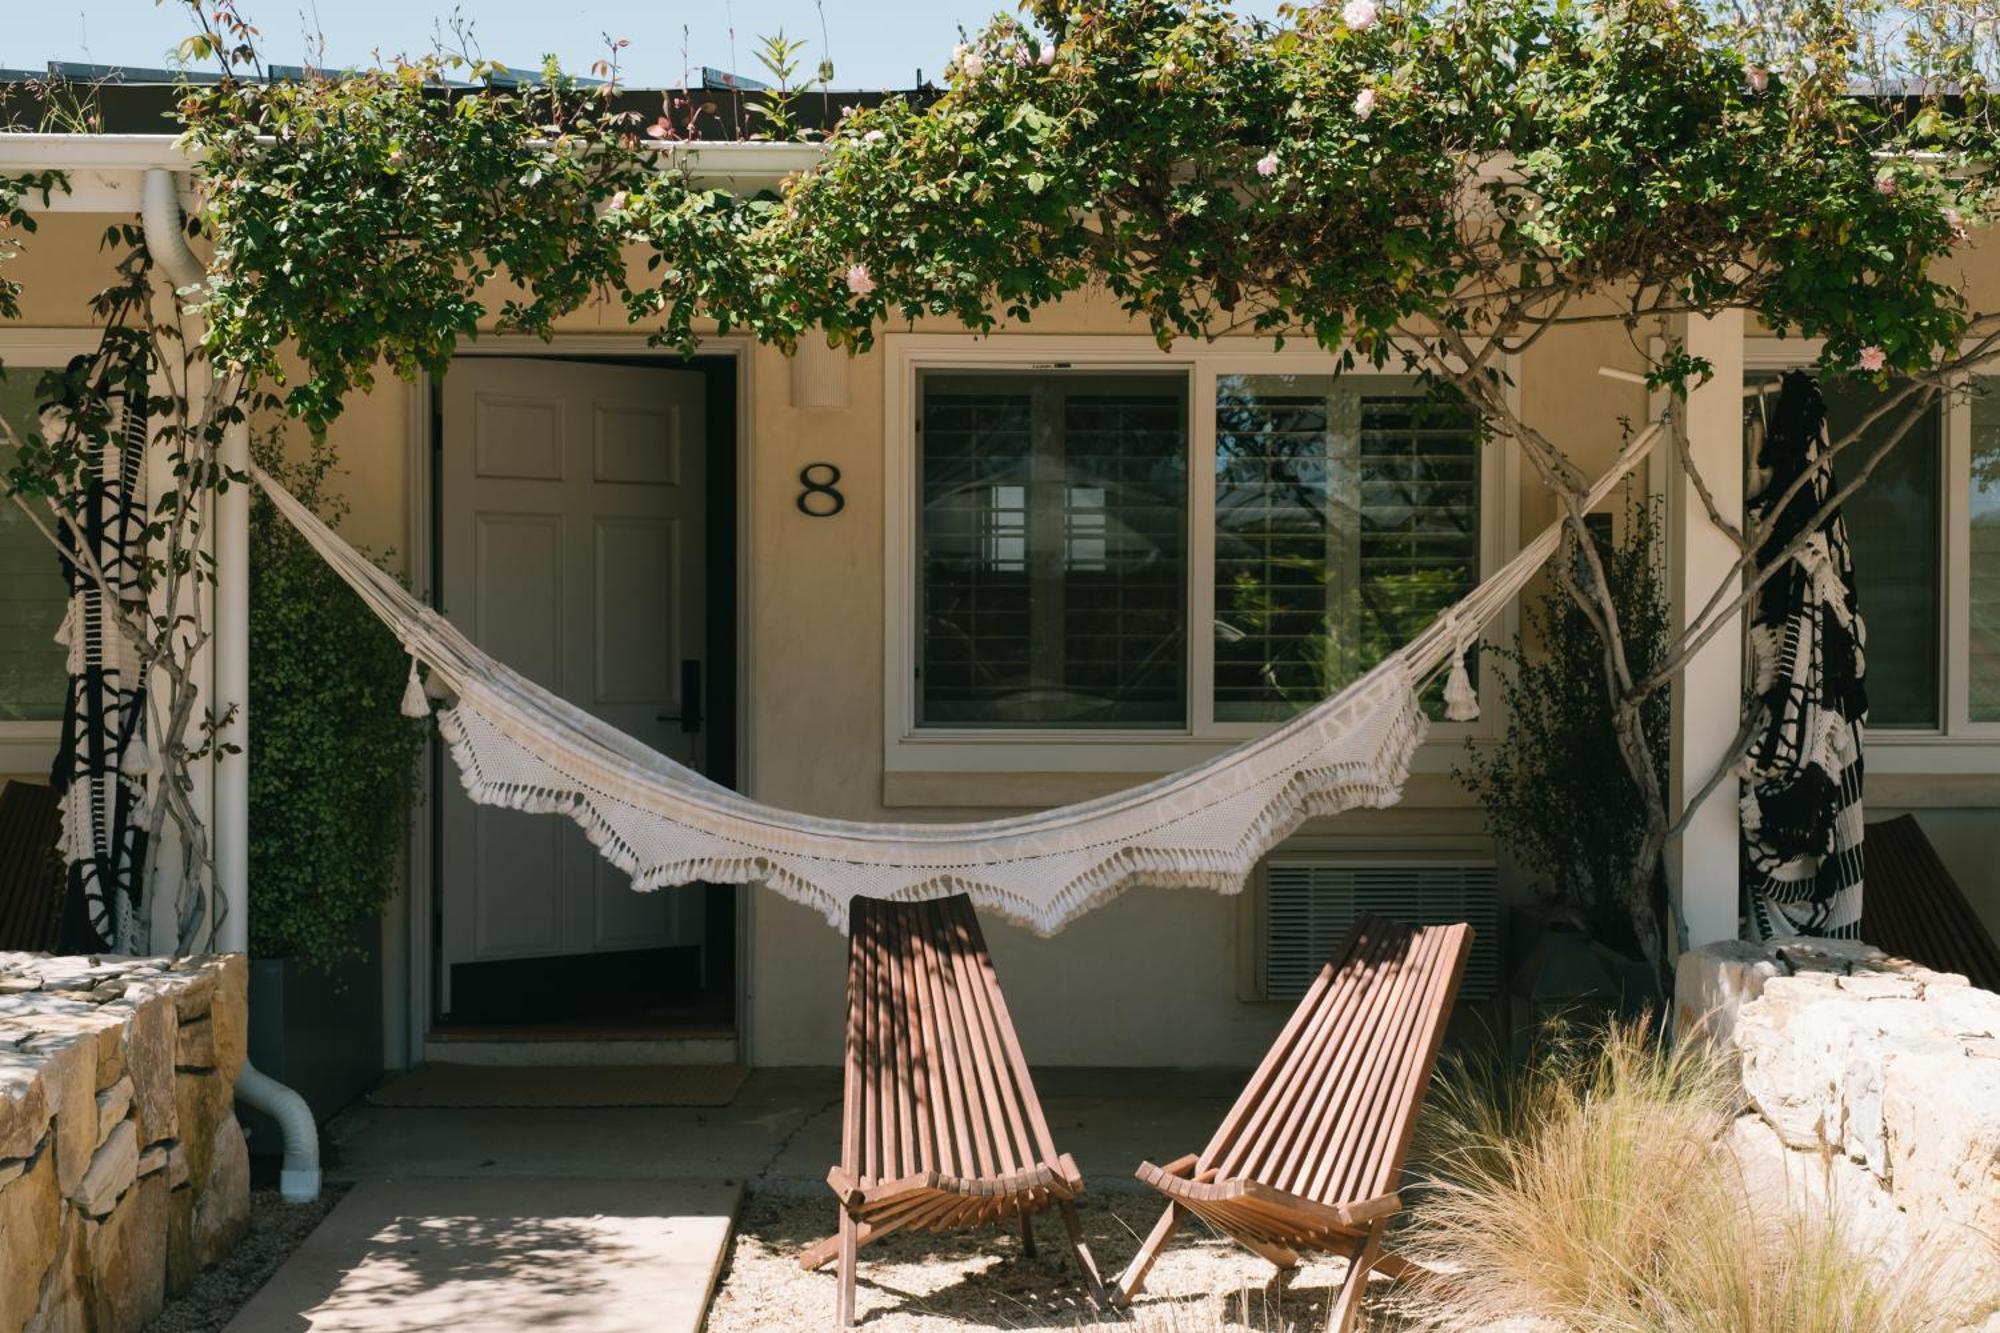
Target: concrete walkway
[(503, 1254), (780, 1134), (617, 1218)]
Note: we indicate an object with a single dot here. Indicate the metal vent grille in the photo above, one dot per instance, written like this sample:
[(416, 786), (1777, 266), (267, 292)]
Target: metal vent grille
[(1310, 907)]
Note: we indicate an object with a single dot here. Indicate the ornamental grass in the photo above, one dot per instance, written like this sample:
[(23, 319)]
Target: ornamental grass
[(1595, 1190)]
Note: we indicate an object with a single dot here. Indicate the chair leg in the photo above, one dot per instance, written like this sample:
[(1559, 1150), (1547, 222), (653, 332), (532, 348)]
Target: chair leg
[(1083, 1260), (1283, 1259), (1341, 1318), (850, 1247), (1027, 1235), (1134, 1276)]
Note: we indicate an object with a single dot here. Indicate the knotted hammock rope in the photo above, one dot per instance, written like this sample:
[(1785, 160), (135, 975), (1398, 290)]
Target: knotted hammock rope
[(520, 746)]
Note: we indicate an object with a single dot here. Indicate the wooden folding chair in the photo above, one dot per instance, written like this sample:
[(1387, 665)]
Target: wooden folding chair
[(941, 1128), (1308, 1157)]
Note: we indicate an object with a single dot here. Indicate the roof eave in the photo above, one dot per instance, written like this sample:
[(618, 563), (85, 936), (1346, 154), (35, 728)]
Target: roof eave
[(105, 170)]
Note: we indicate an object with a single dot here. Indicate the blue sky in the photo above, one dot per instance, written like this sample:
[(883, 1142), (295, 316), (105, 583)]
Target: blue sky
[(874, 43)]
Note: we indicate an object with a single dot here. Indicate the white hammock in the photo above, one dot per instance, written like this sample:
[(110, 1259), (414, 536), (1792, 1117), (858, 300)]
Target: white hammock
[(519, 746)]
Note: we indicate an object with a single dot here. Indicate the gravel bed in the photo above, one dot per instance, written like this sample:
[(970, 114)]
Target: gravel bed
[(276, 1229), (980, 1279)]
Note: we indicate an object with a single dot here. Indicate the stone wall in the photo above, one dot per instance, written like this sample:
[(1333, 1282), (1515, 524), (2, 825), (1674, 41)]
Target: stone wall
[(123, 1171), (1871, 1084)]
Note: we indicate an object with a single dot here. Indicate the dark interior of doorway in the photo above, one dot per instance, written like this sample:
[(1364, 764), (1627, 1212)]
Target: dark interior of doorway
[(655, 992)]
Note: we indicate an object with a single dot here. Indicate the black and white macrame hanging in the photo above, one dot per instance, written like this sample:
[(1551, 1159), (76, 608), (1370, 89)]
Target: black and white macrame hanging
[(1801, 802), (100, 770)]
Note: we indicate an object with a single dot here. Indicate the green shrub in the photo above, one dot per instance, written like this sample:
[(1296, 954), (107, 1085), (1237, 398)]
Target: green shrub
[(1555, 790), (332, 759)]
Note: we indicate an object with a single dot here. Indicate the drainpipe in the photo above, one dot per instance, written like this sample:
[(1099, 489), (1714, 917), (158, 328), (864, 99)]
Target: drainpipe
[(166, 241)]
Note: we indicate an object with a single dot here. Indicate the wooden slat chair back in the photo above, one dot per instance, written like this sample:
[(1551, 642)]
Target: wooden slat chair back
[(1310, 1155), (941, 1127), (31, 867), (1914, 909)]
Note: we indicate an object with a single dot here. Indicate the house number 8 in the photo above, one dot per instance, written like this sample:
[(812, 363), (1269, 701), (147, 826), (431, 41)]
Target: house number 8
[(820, 499)]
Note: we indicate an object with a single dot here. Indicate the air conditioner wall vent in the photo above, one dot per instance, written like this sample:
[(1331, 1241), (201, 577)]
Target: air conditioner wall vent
[(1310, 906)]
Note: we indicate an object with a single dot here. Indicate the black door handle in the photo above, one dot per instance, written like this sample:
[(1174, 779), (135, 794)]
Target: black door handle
[(690, 715)]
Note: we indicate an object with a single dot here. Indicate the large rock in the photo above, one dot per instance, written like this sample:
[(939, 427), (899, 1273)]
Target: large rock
[(30, 1226), (69, 1072), (111, 1172), (1714, 982), (195, 1045), (181, 1265), (127, 1252), (222, 1207), (150, 1044), (112, 1105), (24, 1104), (229, 1014), (1813, 1057), (1874, 1087), (64, 1306), (204, 1103), (1942, 1119), (118, 1171)]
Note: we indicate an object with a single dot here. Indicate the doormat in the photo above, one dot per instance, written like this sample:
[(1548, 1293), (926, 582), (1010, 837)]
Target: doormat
[(577, 1087)]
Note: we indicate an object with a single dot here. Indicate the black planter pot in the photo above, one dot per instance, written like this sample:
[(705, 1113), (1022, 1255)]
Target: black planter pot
[(1557, 970), (317, 1031)]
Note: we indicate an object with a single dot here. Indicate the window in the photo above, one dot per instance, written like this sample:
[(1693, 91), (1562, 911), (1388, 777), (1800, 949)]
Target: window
[(1346, 518), (1103, 558), (1925, 532), (1053, 550), (33, 666), (1983, 554)]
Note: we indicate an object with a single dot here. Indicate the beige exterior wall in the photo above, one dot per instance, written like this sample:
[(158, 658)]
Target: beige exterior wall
[(816, 701)]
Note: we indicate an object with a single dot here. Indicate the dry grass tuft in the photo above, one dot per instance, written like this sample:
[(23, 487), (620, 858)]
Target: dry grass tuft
[(1594, 1190)]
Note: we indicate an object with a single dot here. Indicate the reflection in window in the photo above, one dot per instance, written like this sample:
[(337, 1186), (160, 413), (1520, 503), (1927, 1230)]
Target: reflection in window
[(1346, 518), (33, 667), (1895, 525), (1983, 621), (1052, 550)]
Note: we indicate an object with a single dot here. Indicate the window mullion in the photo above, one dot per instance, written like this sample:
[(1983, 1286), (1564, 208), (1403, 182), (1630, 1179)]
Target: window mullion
[(1201, 550)]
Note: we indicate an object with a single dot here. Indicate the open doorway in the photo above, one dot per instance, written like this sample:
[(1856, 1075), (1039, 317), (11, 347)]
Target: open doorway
[(584, 531)]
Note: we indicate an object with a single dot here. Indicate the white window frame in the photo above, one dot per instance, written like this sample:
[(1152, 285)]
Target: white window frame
[(908, 749), (1957, 745), (30, 747)]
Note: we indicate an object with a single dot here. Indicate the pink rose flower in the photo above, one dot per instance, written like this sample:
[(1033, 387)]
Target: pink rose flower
[(1048, 55), (859, 280), (1364, 104), (1956, 221), (1886, 182), (1871, 359), (873, 136), (1359, 15), (1267, 165), (972, 66), (1758, 77)]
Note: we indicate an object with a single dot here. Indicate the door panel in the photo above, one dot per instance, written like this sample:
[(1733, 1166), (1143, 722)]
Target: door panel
[(571, 531)]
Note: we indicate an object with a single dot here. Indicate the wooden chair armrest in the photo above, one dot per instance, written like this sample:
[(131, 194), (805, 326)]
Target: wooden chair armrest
[(1367, 1210), (845, 1186), (1182, 1166)]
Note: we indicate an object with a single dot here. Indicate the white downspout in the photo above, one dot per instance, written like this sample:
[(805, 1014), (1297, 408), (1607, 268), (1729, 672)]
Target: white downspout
[(299, 1178)]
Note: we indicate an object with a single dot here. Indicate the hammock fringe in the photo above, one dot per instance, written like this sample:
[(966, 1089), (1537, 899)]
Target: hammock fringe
[(517, 745)]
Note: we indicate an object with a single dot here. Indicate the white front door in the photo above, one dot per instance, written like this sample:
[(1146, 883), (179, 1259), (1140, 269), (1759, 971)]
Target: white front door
[(572, 531)]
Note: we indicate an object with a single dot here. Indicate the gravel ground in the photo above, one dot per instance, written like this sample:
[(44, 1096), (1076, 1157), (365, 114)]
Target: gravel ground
[(276, 1229), (980, 1279)]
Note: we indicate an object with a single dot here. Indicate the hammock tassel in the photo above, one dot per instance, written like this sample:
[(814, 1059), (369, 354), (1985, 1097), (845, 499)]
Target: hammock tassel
[(415, 702), (1461, 701)]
